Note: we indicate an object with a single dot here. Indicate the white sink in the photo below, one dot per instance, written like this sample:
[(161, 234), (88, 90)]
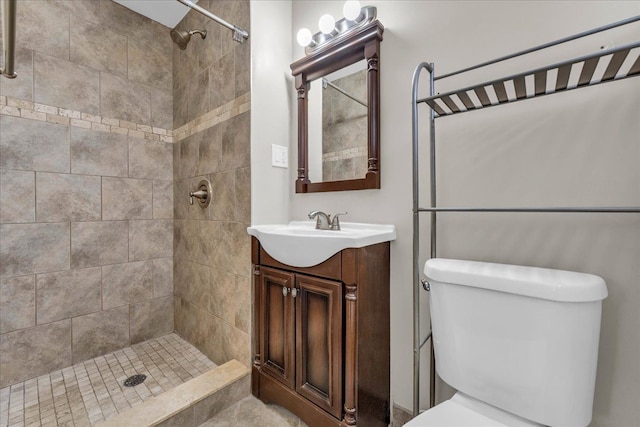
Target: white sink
[(299, 244)]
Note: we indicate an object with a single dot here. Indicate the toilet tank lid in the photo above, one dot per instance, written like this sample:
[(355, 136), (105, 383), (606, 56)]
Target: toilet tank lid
[(544, 283)]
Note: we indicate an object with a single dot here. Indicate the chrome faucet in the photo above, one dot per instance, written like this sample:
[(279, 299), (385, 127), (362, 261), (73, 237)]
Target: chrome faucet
[(324, 221)]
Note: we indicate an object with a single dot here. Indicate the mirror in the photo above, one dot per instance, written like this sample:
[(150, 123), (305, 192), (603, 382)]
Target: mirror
[(338, 113)]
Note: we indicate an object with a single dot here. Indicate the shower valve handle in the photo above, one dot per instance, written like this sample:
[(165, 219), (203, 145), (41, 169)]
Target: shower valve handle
[(200, 194)]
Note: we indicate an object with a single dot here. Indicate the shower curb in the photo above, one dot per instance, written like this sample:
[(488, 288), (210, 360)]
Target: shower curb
[(190, 403)]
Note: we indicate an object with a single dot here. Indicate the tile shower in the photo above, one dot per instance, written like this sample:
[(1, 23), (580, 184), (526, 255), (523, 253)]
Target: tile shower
[(101, 138)]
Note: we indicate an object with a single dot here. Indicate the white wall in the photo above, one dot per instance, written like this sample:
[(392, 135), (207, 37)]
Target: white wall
[(272, 91), (576, 148)]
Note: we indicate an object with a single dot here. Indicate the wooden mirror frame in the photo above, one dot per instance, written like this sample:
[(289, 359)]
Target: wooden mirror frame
[(361, 44)]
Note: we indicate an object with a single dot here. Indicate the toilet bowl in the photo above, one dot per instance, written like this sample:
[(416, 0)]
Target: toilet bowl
[(519, 344)]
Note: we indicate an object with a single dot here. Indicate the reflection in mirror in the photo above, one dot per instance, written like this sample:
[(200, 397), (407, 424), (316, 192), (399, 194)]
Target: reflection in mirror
[(338, 125), (338, 88)]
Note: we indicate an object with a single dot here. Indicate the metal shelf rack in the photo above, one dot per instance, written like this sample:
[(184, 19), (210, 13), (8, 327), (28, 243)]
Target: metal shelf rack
[(513, 88)]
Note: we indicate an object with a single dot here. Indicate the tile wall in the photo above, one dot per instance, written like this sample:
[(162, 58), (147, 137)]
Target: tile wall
[(86, 186), (211, 140), (344, 129)]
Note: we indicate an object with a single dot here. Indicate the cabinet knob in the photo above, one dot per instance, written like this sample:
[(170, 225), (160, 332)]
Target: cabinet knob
[(294, 292), (285, 291)]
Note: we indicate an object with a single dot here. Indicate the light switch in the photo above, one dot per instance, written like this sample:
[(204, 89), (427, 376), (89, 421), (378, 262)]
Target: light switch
[(279, 156)]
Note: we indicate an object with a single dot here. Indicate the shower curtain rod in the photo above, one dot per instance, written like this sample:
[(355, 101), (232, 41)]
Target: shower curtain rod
[(326, 83), (9, 38), (239, 34)]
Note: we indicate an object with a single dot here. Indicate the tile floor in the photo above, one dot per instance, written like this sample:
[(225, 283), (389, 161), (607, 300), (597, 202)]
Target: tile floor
[(251, 412), (92, 391)]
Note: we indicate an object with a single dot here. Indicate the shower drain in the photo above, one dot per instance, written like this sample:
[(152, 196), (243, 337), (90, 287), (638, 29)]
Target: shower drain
[(134, 380)]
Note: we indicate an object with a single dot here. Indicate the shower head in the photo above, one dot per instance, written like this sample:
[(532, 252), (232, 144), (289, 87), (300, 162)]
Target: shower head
[(181, 38)]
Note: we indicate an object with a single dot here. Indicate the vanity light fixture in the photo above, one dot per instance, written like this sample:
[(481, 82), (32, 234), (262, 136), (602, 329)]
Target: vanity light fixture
[(331, 31)]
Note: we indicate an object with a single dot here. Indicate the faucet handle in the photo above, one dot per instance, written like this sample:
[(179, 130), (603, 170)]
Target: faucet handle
[(335, 222)]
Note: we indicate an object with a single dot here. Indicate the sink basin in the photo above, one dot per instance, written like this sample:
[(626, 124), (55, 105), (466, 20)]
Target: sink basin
[(299, 244)]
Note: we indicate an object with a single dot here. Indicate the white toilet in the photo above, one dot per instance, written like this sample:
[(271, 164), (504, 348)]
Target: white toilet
[(520, 344)]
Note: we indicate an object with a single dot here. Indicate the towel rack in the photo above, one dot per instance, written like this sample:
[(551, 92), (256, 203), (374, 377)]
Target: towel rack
[(522, 86)]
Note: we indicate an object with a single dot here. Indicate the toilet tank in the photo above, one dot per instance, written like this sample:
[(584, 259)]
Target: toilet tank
[(522, 339)]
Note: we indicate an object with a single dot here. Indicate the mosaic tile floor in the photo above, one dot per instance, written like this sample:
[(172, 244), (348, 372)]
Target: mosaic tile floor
[(92, 391)]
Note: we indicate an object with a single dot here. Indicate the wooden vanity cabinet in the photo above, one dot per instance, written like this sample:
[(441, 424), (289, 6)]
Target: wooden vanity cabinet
[(321, 336)]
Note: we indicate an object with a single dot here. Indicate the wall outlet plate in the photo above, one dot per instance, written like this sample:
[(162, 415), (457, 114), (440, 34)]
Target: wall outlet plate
[(279, 156)]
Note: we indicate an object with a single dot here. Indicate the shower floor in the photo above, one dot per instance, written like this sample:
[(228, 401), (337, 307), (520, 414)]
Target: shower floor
[(92, 391)]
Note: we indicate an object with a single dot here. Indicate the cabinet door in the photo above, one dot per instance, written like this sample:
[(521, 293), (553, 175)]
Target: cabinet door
[(319, 342), (277, 337)]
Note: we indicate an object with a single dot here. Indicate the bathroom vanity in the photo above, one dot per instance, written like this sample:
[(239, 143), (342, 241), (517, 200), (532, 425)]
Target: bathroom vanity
[(321, 335)]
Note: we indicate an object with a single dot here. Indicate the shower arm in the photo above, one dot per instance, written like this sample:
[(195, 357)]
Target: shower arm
[(239, 34)]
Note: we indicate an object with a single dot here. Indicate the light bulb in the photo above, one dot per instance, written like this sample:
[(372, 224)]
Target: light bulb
[(327, 24), (304, 37), (351, 10)]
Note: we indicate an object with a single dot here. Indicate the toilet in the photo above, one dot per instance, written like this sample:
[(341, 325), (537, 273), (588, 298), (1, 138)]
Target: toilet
[(519, 344)]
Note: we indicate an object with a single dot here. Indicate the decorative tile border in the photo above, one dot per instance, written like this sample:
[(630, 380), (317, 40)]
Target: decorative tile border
[(231, 109), (345, 154), (46, 113)]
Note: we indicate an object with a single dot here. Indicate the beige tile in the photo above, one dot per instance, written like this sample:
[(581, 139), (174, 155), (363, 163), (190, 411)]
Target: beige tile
[(98, 47), (100, 333), (162, 277), (195, 326), (242, 71), (43, 27), (242, 203), (151, 319), (192, 283), (162, 199), (159, 408), (180, 106), (211, 50), (98, 243), (210, 150), (68, 294), (126, 198), (224, 196), (150, 239), (179, 207), (22, 86), (149, 66), (162, 108), (235, 344), (124, 100), (187, 241), (30, 352), (134, 25), (89, 10), (222, 83), (31, 145), (218, 402), (127, 283), (234, 251), (198, 88), (236, 146), (224, 300), (64, 197), (181, 419), (33, 248), (17, 303), (17, 196), (150, 159), (251, 412), (99, 153), (66, 84), (189, 153)]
